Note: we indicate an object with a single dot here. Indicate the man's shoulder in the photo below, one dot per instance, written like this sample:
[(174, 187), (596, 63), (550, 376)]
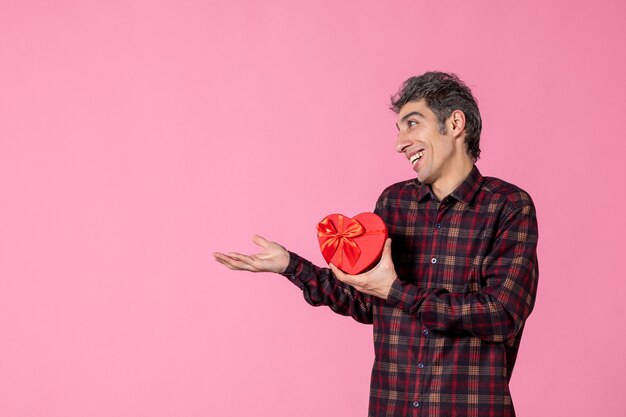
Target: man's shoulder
[(400, 188), (511, 193), (401, 195)]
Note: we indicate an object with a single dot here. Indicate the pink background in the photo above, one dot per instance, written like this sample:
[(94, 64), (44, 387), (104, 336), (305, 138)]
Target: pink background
[(136, 137)]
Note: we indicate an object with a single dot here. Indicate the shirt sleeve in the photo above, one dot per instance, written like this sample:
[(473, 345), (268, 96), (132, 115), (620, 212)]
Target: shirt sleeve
[(321, 287), (497, 312)]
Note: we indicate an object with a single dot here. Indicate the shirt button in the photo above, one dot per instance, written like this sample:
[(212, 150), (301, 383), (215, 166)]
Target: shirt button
[(416, 404), (426, 332), (433, 261), (438, 226), (420, 365)]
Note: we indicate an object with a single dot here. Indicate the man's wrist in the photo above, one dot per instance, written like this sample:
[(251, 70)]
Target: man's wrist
[(388, 289), (292, 264)]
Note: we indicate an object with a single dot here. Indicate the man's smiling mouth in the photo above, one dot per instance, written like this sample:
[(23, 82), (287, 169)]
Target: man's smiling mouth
[(416, 157)]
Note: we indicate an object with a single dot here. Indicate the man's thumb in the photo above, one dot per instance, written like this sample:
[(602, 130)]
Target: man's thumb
[(387, 248), (260, 241)]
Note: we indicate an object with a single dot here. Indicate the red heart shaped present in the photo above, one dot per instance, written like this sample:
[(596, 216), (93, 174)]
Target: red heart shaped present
[(352, 244)]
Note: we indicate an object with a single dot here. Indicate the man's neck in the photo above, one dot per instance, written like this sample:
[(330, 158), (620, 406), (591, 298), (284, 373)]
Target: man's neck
[(448, 182)]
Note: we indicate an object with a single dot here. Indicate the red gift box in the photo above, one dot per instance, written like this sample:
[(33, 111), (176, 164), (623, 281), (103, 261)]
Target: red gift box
[(352, 244)]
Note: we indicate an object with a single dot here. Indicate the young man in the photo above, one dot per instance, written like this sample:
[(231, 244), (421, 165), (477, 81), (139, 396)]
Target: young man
[(457, 278)]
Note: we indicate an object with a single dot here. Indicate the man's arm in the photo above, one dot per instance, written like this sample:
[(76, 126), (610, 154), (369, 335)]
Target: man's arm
[(496, 312), (319, 285)]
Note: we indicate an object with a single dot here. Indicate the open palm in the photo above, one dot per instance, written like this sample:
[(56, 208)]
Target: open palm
[(272, 258)]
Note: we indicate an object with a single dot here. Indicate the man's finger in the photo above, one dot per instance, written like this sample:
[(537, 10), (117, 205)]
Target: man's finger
[(220, 257), (244, 258), (385, 257), (387, 248), (238, 261), (227, 264), (231, 263), (341, 276), (260, 241)]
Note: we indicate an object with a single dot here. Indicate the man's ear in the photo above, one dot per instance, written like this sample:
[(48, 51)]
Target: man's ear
[(456, 123)]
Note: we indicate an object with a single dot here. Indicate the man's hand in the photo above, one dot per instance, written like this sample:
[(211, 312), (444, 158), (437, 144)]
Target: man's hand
[(273, 258), (377, 281)]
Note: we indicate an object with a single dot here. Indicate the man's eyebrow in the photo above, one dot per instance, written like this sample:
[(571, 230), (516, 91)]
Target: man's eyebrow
[(406, 116), (413, 113)]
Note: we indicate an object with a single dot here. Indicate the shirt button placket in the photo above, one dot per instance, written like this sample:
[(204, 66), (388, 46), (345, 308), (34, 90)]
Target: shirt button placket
[(420, 365), (425, 331)]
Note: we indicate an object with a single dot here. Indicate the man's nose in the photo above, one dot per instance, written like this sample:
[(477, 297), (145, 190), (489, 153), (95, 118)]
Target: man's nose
[(402, 142)]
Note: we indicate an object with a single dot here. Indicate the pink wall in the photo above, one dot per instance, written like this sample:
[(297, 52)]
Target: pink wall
[(136, 137)]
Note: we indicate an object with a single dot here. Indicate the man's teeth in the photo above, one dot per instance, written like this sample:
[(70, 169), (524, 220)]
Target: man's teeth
[(417, 157)]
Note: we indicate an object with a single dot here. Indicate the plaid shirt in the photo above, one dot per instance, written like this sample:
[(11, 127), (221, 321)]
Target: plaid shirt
[(447, 337)]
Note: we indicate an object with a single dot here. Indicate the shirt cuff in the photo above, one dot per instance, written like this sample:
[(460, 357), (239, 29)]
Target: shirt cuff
[(404, 296), (292, 267)]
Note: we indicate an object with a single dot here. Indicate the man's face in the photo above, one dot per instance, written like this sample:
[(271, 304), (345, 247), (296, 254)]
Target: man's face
[(419, 138)]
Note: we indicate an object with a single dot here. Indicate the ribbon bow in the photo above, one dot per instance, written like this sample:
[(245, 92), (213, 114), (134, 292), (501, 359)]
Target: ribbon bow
[(340, 238)]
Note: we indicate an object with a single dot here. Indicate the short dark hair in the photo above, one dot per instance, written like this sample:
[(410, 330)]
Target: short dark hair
[(443, 94)]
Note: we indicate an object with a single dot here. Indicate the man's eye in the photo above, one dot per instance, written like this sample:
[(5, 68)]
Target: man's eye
[(411, 123)]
